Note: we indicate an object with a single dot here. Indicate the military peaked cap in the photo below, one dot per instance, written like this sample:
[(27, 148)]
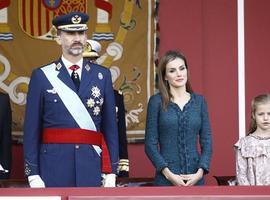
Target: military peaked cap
[(74, 21)]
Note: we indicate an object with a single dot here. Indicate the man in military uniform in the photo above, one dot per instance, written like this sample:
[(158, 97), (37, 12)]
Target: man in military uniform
[(5, 136), (123, 166), (70, 130), (91, 51)]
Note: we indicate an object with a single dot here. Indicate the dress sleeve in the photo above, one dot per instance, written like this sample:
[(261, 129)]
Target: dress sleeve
[(152, 134), (241, 166), (205, 139)]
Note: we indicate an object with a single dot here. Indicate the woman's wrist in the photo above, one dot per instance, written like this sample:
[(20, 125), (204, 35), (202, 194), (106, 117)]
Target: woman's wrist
[(200, 172), (166, 172)]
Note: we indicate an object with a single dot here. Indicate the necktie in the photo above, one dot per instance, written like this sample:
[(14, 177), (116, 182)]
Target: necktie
[(74, 76)]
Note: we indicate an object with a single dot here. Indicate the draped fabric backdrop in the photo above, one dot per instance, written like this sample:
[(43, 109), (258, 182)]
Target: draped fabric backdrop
[(125, 28)]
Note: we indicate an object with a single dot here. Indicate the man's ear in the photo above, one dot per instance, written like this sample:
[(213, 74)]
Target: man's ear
[(58, 40)]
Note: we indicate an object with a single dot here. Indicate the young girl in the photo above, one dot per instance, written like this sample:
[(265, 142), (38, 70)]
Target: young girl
[(253, 151)]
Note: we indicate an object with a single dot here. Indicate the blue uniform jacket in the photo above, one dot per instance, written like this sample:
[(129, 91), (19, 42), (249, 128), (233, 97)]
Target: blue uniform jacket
[(69, 165), (172, 136)]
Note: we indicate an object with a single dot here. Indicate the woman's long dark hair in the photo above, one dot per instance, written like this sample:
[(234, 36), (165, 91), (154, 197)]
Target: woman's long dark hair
[(163, 85)]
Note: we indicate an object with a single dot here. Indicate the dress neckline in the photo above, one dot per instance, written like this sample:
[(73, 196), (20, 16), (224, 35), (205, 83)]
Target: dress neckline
[(186, 105), (260, 137)]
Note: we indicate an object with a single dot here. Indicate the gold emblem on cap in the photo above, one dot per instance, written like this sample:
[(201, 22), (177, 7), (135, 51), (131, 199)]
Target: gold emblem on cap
[(76, 19)]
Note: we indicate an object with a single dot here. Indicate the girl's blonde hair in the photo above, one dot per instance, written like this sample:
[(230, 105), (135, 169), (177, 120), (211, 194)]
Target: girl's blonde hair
[(260, 99)]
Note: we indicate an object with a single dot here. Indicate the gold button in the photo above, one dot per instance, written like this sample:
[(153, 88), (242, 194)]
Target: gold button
[(77, 146)]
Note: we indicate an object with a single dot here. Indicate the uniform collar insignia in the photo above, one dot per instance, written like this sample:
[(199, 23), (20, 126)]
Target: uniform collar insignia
[(87, 67), (58, 66)]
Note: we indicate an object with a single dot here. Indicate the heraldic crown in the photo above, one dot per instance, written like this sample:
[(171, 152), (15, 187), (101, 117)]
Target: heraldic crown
[(74, 21)]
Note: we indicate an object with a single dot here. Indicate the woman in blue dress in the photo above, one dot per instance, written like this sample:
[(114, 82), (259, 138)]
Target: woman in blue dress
[(177, 121)]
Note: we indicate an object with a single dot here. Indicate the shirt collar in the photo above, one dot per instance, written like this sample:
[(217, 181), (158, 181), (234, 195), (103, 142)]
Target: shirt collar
[(67, 64)]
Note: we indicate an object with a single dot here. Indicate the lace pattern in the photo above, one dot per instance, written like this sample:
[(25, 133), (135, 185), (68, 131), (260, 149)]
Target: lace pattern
[(253, 160)]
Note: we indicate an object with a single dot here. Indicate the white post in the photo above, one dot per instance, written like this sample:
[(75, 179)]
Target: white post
[(241, 69)]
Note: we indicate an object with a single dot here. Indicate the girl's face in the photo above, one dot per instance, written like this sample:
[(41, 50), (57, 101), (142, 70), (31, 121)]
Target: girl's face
[(262, 116), (176, 73)]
